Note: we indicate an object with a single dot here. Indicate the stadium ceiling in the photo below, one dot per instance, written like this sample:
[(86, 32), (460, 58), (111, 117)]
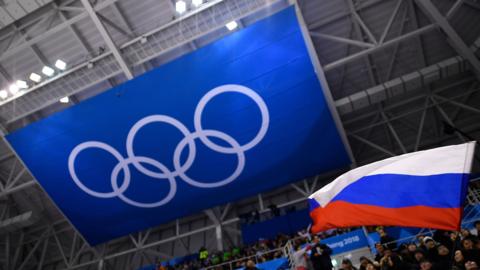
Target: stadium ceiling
[(404, 75)]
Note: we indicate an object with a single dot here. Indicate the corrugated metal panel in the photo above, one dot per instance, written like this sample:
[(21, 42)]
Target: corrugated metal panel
[(146, 15), (436, 47), (118, 37), (466, 23), (314, 11), (157, 43), (90, 34), (14, 10), (63, 46), (376, 17), (21, 65)]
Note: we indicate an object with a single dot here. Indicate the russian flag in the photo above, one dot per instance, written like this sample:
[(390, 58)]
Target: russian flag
[(423, 189)]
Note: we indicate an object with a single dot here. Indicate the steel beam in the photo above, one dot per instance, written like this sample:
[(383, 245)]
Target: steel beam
[(409, 112), (342, 40), (445, 117), (390, 21), (421, 125), (260, 202), (85, 46), (322, 79), (54, 30), (458, 104), (386, 44), (108, 39), (456, 6), (455, 40), (371, 144), (394, 132), (358, 26), (359, 20)]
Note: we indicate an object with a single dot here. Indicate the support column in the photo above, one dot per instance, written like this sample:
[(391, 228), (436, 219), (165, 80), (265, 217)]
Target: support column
[(219, 237), (100, 265)]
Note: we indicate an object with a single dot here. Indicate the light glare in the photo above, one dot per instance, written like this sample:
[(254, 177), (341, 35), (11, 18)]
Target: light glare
[(48, 71), (232, 25), (65, 100), (60, 64), (35, 77), (13, 89), (181, 6), (21, 84), (3, 94), (197, 3)]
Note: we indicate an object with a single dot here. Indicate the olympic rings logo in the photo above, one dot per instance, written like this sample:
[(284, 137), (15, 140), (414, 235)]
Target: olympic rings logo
[(180, 170)]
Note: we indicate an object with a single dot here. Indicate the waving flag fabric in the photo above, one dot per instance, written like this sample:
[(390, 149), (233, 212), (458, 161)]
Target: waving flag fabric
[(421, 189)]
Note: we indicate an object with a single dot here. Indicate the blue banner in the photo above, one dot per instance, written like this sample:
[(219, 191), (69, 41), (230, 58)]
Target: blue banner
[(290, 223), (242, 115), (347, 242)]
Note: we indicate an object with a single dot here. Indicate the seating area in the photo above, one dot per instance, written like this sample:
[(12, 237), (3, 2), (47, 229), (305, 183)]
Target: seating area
[(369, 248)]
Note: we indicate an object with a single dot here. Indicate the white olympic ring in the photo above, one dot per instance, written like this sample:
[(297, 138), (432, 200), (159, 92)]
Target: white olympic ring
[(162, 172)]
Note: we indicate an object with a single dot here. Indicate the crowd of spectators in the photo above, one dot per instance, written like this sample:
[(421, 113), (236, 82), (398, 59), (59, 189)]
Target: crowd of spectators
[(261, 251), (441, 251)]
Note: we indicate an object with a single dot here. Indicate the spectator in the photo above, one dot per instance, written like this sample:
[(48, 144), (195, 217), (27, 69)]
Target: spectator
[(471, 265), (227, 256), (443, 258), (408, 254), (364, 261), (216, 259), (431, 252), (393, 262), (380, 251), (300, 257), (236, 252), (372, 266), (420, 241), (419, 256), (465, 233), (347, 265), (250, 265), (455, 240), (320, 255), (470, 252), (459, 261), (385, 239), (203, 254), (426, 265)]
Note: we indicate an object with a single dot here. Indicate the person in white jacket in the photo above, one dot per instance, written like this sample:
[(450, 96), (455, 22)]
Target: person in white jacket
[(300, 257)]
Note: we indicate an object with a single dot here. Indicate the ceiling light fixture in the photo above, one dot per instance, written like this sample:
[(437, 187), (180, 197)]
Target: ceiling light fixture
[(181, 6), (65, 100), (197, 3), (13, 89), (3, 94), (48, 71), (21, 84), (232, 25), (60, 64), (35, 77)]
